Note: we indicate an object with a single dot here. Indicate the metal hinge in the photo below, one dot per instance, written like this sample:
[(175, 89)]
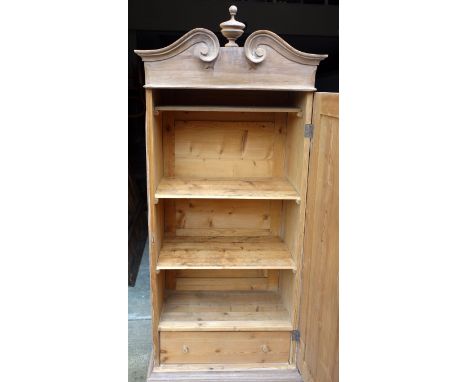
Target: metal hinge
[(296, 335), (308, 130)]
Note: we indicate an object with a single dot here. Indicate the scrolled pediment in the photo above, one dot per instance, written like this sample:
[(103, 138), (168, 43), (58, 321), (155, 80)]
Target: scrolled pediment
[(196, 61), (206, 41), (256, 53)]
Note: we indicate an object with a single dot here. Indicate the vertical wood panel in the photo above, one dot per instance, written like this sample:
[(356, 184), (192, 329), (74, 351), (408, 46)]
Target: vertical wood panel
[(154, 168), (318, 350)]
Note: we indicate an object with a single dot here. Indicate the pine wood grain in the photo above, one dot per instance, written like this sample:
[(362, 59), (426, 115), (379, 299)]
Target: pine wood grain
[(318, 350), (272, 188), (223, 284), (224, 253), (224, 311), (235, 372), (297, 170), (222, 279), (228, 148), (154, 161), (221, 273), (222, 217), (227, 347)]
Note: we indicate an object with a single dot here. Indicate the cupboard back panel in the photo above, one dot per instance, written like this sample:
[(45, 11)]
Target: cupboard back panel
[(222, 280), (212, 217), (229, 146), (228, 217)]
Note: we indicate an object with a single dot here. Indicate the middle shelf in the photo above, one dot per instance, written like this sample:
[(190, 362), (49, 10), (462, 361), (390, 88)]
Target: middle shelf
[(224, 253), (261, 188)]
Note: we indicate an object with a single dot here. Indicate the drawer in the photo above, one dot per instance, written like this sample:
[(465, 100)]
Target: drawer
[(224, 347)]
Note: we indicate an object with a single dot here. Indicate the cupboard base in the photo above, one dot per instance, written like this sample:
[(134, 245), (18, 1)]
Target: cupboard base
[(278, 372)]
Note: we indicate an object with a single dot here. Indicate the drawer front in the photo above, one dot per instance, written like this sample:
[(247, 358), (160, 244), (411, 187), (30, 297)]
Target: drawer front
[(224, 347)]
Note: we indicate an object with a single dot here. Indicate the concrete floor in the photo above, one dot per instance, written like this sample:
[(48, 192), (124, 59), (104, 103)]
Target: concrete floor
[(139, 323)]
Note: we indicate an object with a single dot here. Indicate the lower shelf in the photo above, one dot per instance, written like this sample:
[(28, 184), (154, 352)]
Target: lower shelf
[(224, 311)]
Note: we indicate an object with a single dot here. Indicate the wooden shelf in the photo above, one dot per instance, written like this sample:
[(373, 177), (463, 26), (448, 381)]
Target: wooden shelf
[(242, 109), (224, 311), (263, 188), (224, 253)]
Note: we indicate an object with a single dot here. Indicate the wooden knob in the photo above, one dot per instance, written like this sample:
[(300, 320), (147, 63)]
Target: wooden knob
[(265, 348), (232, 29), (233, 10), (185, 349)]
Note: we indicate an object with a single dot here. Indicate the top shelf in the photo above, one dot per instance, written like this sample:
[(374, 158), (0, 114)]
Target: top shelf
[(240, 109)]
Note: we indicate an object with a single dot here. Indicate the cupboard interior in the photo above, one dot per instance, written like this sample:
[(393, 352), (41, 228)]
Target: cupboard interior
[(227, 208)]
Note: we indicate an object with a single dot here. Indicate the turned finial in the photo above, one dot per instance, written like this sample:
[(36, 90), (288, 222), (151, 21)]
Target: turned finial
[(232, 29)]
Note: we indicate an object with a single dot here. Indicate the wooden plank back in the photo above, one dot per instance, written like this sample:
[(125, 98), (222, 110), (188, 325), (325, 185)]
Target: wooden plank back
[(228, 145), (318, 350), (209, 217), (222, 280), (205, 218)]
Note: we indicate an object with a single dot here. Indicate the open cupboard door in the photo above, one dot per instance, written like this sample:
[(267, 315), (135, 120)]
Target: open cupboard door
[(318, 347)]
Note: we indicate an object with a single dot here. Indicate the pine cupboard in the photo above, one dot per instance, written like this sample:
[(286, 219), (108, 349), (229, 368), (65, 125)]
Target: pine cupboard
[(242, 162)]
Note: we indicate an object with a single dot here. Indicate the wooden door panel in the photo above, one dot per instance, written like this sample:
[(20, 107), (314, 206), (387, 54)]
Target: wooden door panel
[(318, 349)]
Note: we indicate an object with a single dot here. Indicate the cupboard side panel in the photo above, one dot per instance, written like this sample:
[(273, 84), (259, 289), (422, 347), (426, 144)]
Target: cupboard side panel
[(318, 349), (154, 168)]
